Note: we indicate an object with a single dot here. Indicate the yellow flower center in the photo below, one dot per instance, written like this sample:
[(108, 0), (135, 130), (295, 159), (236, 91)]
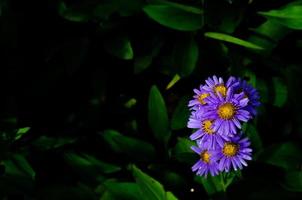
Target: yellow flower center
[(202, 97), (205, 156), (207, 126), (220, 89), (226, 111), (230, 149)]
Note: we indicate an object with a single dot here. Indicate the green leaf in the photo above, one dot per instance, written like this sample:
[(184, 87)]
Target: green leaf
[(46, 143), (129, 146), (286, 155), (174, 80), (127, 191), (289, 16), (18, 166), (262, 87), (119, 46), (233, 40), (181, 114), (150, 188), (72, 14), (212, 184), (268, 35), (293, 181), (280, 90), (182, 151), (175, 16), (170, 196), (130, 103), (186, 55), (89, 166), (124, 8), (251, 131), (158, 116), (142, 63), (21, 132)]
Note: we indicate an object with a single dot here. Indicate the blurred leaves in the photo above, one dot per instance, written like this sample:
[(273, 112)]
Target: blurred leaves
[(119, 46), (132, 147), (285, 155), (158, 116), (48, 143), (18, 166), (149, 187), (124, 190), (293, 181), (181, 114), (182, 151), (252, 133), (280, 90), (185, 55), (289, 16), (21, 132), (175, 16)]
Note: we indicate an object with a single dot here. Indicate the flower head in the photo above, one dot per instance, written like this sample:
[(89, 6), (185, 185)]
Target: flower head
[(207, 162), (234, 153), (227, 111), (251, 93), (205, 134), (217, 111), (199, 98), (217, 86)]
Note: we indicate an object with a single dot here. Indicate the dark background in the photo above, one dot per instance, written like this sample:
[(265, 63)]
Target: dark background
[(85, 112)]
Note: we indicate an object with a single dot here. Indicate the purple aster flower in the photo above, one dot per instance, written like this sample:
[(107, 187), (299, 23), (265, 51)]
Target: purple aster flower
[(227, 112), (217, 86), (234, 153), (199, 98), (205, 133), (207, 162), (251, 93)]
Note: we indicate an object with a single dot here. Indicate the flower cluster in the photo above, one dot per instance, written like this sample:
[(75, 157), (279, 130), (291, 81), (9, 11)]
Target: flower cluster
[(217, 111)]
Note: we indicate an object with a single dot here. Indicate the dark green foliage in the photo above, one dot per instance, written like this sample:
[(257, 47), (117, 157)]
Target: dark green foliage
[(94, 97)]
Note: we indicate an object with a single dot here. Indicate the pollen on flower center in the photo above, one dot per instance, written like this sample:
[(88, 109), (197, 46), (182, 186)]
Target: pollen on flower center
[(205, 156), (230, 149), (207, 126), (202, 97), (220, 89), (226, 111)]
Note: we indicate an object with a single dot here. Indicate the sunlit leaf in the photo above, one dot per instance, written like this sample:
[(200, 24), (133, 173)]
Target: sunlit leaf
[(174, 80), (21, 132), (233, 40)]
